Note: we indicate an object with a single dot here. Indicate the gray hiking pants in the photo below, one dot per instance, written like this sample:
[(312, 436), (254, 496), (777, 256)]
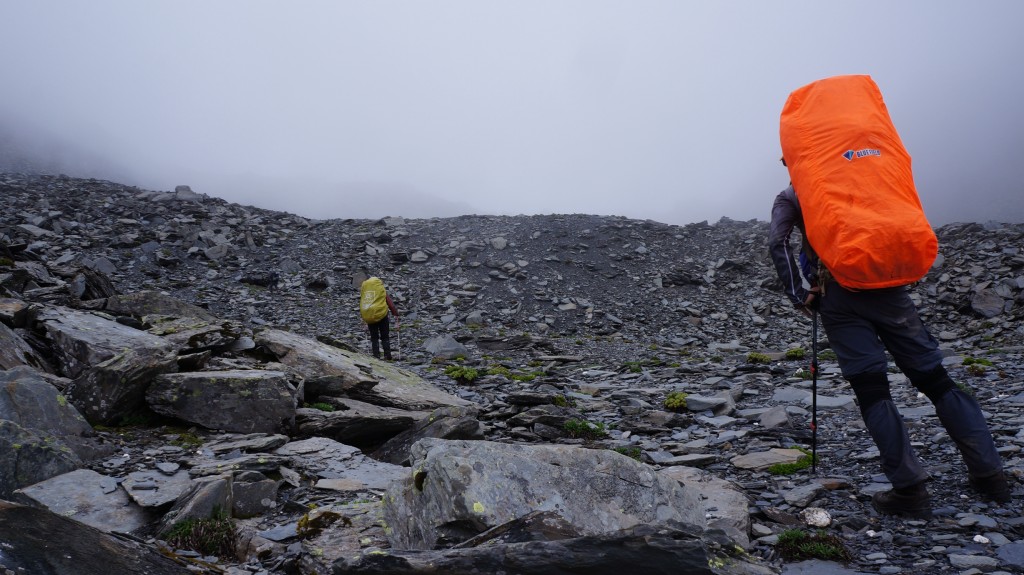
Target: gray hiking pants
[(861, 326)]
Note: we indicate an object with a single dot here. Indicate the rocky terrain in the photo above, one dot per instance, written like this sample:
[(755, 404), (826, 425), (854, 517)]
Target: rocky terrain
[(548, 334)]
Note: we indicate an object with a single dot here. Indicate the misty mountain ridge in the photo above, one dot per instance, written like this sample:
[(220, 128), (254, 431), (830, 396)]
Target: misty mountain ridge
[(31, 150)]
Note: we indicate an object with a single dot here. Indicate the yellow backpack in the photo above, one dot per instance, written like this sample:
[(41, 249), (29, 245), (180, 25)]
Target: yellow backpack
[(373, 305)]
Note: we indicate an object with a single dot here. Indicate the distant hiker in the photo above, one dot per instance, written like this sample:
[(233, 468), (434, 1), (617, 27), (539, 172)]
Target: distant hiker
[(852, 197), (374, 304)]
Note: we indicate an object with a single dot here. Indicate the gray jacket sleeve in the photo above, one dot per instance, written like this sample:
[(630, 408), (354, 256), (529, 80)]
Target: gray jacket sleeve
[(786, 216)]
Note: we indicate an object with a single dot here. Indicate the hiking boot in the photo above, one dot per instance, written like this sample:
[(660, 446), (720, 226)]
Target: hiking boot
[(992, 487), (912, 501)]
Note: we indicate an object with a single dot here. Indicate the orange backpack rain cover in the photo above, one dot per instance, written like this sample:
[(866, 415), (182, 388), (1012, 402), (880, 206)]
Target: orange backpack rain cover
[(852, 176)]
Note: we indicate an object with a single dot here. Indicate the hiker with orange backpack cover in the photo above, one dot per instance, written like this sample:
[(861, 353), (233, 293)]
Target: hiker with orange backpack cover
[(864, 239)]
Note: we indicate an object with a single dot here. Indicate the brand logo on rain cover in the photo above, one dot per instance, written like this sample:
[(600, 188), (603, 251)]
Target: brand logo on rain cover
[(851, 154)]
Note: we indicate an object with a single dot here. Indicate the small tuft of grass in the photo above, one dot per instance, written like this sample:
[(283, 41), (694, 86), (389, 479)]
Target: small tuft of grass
[(211, 536), (798, 545), (499, 370), (580, 428), (563, 401), (320, 405), (756, 357), (790, 468), (977, 370), (461, 373), (187, 440), (631, 452), (633, 366), (675, 401), (796, 353)]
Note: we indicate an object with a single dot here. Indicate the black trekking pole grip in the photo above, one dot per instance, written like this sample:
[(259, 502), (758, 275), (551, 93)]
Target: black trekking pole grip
[(814, 391)]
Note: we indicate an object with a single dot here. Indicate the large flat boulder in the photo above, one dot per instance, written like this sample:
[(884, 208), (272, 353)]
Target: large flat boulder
[(27, 398), (15, 352), (442, 423), (458, 489), (191, 334), (357, 423), (332, 371), (28, 457), (236, 401), (81, 340), (728, 507), (111, 364), (659, 549), (338, 466), (41, 542), (140, 304), (31, 401), (87, 497)]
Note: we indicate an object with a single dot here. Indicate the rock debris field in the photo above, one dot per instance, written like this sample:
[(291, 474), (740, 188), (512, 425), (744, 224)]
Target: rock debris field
[(570, 394)]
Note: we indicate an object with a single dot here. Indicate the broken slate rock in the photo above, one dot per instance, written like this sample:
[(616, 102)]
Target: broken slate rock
[(238, 401), (82, 495)]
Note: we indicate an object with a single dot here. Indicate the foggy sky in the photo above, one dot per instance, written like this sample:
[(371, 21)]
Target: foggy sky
[(663, 110)]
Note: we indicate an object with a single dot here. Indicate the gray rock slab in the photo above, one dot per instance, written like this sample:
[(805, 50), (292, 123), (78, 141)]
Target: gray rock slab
[(695, 402), (42, 542), (328, 370), (483, 484), (203, 499), (765, 459), (31, 401), (15, 352), (443, 423), (253, 442), (403, 389), (263, 462), (1012, 554), (242, 401), (252, 496), (832, 402), (358, 423), (801, 496), (143, 303), (337, 372), (445, 346), (190, 334), (726, 506), (323, 458), (82, 340), (13, 312), (790, 395), (774, 417), (693, 459), (818, 567), (28, 457), (82, 495), (154, 488)]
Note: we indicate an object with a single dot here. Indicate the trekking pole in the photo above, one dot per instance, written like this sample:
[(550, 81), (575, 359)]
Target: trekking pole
[(814, 391)]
